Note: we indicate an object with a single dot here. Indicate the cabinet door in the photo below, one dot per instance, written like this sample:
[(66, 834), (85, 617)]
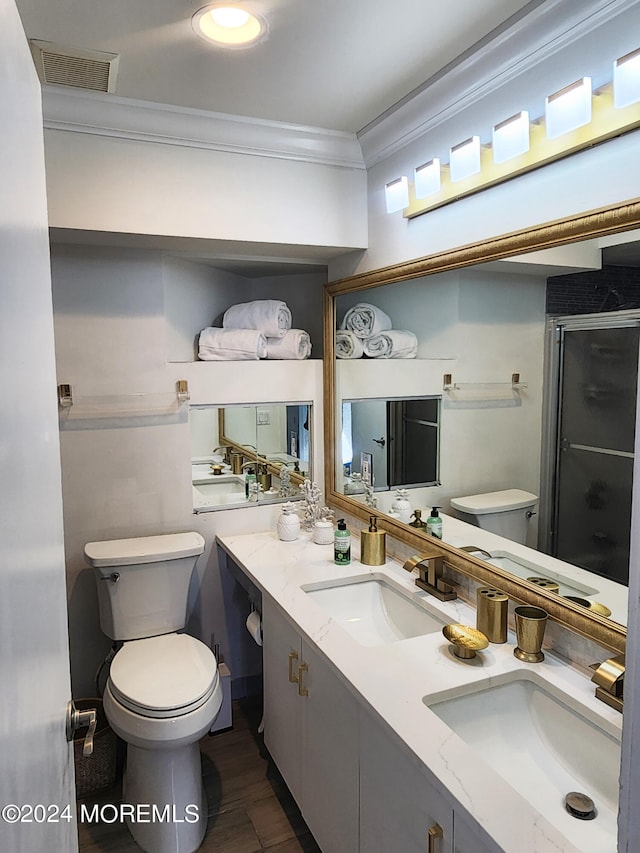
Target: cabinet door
[(399, 804), (469, 837), (281, 651), (330, 757)]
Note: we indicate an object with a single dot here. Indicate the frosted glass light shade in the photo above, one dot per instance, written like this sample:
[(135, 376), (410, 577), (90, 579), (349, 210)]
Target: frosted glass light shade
[(427, 178), (511, 137), (626, 79), (397, 194), (568, 108), (228, 26), (464, 159)]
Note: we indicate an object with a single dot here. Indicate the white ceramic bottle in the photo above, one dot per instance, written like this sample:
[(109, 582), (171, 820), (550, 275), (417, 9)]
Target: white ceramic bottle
[(288, 526), (401, 506), (322, 531)]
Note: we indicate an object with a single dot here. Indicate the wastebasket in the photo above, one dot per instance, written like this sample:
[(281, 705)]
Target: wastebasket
[(97, 771)]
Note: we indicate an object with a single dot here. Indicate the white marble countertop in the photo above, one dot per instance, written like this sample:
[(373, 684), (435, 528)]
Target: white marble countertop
[(392, 680)]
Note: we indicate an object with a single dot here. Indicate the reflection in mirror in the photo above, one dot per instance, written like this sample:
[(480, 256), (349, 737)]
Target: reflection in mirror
[(244, 454), (389, 443), (486, 344)]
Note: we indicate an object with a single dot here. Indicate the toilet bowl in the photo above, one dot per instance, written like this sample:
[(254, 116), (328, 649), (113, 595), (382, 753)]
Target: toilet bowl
[(506, 512), (163, 692)]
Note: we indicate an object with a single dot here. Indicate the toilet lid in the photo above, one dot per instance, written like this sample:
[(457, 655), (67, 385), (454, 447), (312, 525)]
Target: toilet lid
[(164, 676), (503, 501)]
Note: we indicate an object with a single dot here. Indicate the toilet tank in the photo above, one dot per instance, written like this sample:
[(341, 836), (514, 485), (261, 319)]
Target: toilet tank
[(505, 512), (143, 583)]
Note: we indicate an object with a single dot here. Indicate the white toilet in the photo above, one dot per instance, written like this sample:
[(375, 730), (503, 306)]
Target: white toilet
[(506, 512), (163, 691)]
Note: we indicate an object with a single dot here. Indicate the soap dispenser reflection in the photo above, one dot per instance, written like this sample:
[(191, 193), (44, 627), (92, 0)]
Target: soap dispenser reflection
[(373, 545), (434, 523)]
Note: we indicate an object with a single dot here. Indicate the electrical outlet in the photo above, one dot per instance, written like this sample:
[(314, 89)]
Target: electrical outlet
[(264, 417)]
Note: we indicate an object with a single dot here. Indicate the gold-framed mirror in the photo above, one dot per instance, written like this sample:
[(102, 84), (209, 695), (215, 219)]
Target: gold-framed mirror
[(592, 226), (246, 454)]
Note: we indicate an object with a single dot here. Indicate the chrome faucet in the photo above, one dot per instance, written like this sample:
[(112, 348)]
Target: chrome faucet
[(430, 576), (609, 678)]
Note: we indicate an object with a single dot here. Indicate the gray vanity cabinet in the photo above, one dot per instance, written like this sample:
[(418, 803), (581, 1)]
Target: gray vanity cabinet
[(311, 732), (399, 804), (402, 806)]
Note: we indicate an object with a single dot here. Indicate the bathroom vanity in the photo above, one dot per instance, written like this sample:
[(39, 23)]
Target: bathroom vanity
[(388, 741)]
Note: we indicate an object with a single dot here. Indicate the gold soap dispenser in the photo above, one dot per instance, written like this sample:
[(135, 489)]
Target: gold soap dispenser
[(372, 545), (419, 523)]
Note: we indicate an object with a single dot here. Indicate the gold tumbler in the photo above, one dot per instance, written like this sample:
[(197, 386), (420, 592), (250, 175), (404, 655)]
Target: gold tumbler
[(530, 625), (491, 614)]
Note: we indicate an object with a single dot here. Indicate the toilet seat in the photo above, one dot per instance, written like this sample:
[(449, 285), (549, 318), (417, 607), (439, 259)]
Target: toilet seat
[(166, 676)]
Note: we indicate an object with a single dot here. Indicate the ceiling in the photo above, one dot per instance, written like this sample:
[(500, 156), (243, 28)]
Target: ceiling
[(334, 64)]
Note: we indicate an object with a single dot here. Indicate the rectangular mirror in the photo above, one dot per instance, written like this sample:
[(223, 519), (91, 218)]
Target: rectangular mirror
[(389, 443), (241, 455), (481, 317)]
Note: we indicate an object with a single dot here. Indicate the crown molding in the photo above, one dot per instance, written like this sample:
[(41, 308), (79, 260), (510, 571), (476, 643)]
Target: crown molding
[(544, 30), (99, 114)]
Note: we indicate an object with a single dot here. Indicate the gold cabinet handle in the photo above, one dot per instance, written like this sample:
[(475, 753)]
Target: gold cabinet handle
[(302, 691), (433, 834), (293, 656)]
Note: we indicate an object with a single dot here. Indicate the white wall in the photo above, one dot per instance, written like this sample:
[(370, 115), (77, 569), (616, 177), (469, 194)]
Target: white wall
[(121, 185), (481, 326), (604, 175), (123, 476)]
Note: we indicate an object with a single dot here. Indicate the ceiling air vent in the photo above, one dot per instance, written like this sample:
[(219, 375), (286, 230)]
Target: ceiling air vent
[(68, 66)]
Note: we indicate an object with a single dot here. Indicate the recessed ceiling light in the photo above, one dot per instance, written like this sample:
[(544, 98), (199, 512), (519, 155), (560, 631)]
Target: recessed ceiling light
[(229, 25)]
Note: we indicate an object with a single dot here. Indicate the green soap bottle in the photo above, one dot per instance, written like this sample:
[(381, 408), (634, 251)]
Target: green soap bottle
[(342, 544), (434, 523)]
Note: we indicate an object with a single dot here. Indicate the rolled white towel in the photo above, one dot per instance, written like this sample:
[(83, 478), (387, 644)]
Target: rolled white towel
[(365, 320), (348, 344), (393, 343), (296, 343), (271, 316), (231, 345)]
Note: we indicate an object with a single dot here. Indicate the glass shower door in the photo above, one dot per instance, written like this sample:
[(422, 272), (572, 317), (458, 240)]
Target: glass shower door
[(597, 409)]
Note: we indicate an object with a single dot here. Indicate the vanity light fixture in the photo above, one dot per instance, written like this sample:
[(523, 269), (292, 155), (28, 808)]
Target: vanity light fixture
[(511, 137), (626, 79), (397, 194), (427, 178), (464, 159), (229, 25), (569, 108)]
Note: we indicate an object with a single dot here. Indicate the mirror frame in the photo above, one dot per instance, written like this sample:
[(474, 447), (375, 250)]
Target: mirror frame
[(597, 223)]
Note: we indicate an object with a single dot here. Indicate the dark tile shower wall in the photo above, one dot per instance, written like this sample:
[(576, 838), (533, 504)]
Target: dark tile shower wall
[(609, 289)]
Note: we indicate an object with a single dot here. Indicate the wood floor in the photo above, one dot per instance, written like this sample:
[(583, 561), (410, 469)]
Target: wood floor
[(250, 807)]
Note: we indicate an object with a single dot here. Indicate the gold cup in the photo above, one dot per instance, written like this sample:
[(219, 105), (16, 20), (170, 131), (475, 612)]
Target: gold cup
[(530, 625), (236, 463)]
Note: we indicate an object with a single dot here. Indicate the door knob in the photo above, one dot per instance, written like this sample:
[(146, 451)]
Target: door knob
[(82, 720)]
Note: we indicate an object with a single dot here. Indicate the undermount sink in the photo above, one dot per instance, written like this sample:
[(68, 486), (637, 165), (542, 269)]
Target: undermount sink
[(545, 746), (525, 569), (374, 611), (220, 489)]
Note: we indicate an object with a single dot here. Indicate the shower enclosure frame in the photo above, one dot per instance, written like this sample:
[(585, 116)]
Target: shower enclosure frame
[(556, 326)]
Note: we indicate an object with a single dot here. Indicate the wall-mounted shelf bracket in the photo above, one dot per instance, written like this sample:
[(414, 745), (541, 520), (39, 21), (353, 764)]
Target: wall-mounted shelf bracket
[(65, 397)]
